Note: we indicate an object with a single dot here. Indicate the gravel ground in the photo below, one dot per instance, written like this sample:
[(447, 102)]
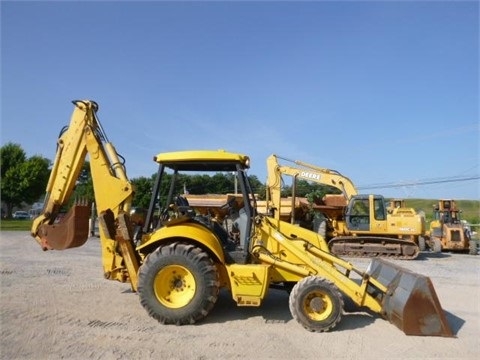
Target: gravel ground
[(56, 305)]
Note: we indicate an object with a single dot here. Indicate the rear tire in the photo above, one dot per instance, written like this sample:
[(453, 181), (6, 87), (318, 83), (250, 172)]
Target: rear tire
[(178, 284), (472, 247), (437, 245), (421, 244), (316, 304)]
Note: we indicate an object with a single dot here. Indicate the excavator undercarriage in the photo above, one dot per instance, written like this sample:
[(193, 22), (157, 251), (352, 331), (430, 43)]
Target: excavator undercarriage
[(374, 246)]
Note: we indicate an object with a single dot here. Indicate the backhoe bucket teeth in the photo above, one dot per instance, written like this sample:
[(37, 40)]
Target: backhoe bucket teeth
[(410, 302), (71, 231)]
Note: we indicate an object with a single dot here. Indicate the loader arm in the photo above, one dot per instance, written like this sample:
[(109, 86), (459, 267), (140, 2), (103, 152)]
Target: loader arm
[(304, 171), (113, 193)]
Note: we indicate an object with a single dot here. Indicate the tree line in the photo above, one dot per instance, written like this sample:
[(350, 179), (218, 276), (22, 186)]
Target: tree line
[(24, 180)]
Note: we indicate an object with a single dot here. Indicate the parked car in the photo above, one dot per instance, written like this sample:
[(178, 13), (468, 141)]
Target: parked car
[(21, 215)]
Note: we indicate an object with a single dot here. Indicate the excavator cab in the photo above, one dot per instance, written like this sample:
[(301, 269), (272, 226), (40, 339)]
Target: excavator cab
[(366, 213), (357, 214)]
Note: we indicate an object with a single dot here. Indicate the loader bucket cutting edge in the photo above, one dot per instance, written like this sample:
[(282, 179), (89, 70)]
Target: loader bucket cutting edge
[(411, 302), (72, 231)]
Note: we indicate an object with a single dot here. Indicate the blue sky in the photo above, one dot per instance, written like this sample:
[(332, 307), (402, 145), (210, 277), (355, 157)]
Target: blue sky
[(385, 92)]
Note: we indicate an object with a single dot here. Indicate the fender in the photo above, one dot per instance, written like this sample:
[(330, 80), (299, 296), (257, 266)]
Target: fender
[(192, 232)]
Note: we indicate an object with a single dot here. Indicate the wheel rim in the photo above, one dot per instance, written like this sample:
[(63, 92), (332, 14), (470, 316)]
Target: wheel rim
[(174, 286), (318, 306)]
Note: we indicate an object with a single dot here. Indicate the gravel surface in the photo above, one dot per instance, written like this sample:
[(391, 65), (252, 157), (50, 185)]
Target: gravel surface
[(56, 305)]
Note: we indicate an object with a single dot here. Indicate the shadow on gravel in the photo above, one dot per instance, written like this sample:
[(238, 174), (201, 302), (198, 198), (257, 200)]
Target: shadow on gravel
[(426, 255), (275, 310), (355, 320)]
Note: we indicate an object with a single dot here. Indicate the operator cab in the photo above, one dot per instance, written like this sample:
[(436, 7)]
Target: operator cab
[(360, 210), (180, 195)]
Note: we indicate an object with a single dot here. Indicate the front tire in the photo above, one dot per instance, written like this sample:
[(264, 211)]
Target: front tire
[(421, 244), (178, 284), (316, 304)]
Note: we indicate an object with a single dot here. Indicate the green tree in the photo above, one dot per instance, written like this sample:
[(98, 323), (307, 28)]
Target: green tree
[(23, 180), (143, 190), (84, 184), (257, 187)]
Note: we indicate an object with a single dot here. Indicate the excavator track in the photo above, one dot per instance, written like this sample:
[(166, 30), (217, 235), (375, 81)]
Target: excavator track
[(374, 246)]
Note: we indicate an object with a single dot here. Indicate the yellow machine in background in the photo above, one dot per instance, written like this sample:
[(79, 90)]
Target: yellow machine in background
[(395, 204), (447, 232), (356, 224), (181, 258), (399, 207)]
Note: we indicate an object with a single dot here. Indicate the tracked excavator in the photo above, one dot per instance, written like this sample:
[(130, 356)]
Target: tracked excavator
[(357, 225), (180, 259)]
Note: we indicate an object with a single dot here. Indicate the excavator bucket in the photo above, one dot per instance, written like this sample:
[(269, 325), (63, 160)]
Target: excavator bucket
[(71, 231), (410, 302)]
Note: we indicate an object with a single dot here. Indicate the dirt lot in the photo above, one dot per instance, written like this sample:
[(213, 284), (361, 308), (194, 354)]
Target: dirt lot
[(56, 305)]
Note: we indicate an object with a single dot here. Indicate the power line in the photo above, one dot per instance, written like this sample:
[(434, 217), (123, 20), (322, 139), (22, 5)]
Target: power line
[(418, 183)]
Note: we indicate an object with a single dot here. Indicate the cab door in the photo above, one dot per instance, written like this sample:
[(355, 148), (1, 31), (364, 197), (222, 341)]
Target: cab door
[(358, 213)]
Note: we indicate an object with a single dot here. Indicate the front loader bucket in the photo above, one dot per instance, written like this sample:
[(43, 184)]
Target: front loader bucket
[(410, 302), (71, 231)]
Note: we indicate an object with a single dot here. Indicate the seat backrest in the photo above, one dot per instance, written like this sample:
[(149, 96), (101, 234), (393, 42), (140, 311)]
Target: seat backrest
[(183, 207), (181, 201)]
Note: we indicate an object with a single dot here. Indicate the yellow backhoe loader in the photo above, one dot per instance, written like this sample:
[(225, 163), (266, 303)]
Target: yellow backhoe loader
[(180, 259), (356, 224)]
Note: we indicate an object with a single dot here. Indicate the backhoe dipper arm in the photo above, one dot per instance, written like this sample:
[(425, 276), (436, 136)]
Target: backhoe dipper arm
[(112, 189), (304, 171)]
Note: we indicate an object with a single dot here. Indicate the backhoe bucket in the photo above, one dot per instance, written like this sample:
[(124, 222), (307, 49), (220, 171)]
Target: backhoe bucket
[(71, 231), (410, 302)]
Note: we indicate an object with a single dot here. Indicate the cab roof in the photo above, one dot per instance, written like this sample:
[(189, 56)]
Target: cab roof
[(203, 160)]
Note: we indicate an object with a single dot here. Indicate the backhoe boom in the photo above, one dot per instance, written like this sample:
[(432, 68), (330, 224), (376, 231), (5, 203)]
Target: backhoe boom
[(113, 191)]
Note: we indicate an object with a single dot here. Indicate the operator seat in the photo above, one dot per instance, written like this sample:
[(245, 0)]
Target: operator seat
[(183, 207)]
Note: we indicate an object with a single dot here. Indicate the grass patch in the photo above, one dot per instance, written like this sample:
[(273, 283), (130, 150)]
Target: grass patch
[(470, 208), (15, 225)]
